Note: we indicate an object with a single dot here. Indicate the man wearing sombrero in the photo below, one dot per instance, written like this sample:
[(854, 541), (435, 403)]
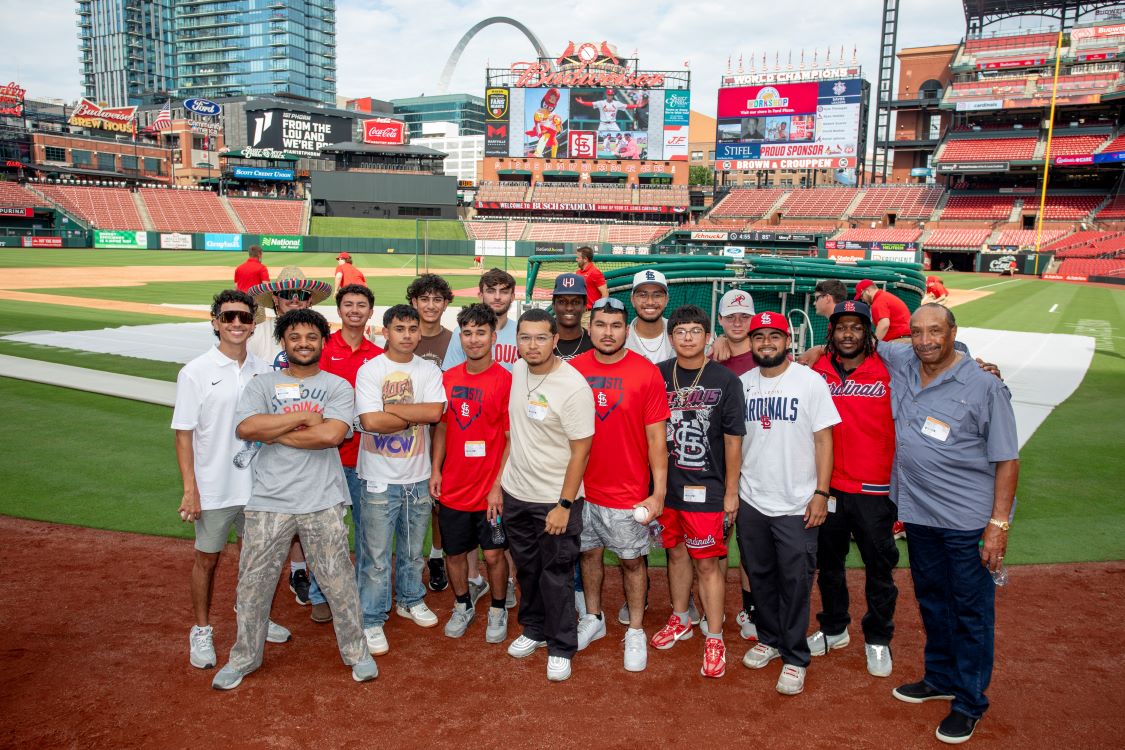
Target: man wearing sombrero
[(291, 290)]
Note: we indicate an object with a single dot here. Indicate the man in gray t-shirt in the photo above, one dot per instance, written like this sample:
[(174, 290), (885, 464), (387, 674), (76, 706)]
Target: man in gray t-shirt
[(300, 415)]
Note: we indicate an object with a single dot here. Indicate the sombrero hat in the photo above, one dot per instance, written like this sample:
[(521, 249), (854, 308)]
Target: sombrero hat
[(290, 278)]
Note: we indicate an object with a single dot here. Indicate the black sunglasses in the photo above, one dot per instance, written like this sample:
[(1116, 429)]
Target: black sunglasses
[(610, 302), (229, 316), (300, 295)]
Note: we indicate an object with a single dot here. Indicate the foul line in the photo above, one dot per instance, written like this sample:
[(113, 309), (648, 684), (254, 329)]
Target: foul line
[(1053, 308), (998, 283)]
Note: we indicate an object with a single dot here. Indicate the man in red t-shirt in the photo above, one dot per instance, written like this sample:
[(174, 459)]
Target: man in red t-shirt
[(345, 351), (252, 272), (890, 315), (470, 446), (629, 447), (936, 290), (596, 287), (346, 273), (863, 445)]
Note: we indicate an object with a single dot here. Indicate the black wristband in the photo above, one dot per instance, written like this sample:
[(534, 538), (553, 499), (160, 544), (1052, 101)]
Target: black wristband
[(563, 502), (823, 494)]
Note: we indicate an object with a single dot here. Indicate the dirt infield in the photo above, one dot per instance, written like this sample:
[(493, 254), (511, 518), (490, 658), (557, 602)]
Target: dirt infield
[(95, 655), (961, 296)]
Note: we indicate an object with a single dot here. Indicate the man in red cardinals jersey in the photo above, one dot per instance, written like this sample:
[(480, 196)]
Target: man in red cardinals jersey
[(864, 447)]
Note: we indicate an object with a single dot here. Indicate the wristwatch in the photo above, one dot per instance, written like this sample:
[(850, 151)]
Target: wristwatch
[(823, 494), (1002, 525), (563, 502)]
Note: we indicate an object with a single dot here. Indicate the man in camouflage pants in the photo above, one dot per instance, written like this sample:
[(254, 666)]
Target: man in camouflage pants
[(300, 415)]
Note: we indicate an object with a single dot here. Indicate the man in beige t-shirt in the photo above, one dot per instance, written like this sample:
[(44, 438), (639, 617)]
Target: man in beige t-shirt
[(551, 416)]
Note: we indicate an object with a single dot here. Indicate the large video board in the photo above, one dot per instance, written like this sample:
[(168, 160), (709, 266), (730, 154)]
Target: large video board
[(790, 126), (587, 123)]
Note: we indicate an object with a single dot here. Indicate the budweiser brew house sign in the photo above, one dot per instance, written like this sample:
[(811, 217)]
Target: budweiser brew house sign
[(384, 131), (96, 117)]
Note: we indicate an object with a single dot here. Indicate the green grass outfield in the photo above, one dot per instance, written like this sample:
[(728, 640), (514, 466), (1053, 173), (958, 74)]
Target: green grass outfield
[(334, 226), (56, 258), (1068, 508)]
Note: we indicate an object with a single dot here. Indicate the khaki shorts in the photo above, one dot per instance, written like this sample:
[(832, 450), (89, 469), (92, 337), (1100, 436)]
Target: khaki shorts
[(613, 529), (212, 528)]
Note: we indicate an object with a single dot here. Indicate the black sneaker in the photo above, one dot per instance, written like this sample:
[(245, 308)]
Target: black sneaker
[(438, 580), (919, 692), (956, 728), (299, 585)]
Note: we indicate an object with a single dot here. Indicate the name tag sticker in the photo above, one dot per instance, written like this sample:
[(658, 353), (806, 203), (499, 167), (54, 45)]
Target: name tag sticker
[(936, 429), (831, 505), (695, 494), (537, 408), (287, 391), (376, 486), (474, 449)]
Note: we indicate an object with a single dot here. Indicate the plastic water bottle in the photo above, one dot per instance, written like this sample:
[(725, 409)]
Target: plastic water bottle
[(656, 535), (496, 530), (1000, 575), (249, 450)]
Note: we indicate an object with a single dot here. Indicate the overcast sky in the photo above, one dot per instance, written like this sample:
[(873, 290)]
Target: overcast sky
[(397, 48)]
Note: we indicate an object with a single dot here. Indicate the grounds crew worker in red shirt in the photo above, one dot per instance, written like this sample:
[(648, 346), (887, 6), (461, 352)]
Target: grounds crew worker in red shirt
[(252, 272), (864, 448), (890, 315), (346, 273)]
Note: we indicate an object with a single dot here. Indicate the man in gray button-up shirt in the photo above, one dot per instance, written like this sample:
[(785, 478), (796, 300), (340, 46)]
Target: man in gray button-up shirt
[(954, 480)]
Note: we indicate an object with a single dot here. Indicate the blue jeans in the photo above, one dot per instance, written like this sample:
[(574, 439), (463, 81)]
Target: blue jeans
[(957, 600), (393, 520), (355, 490)]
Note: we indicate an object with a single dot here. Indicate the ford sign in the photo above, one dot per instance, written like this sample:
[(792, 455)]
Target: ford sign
[(202, 107)]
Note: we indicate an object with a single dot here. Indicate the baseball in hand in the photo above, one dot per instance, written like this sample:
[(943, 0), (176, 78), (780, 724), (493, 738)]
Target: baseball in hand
[(640, 514), (183, 515)]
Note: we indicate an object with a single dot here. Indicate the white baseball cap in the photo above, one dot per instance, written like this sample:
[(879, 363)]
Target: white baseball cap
[(649, 277), (736, 301)]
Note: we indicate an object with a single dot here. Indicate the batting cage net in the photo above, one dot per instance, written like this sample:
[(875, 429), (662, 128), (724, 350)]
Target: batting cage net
[(779, 284)]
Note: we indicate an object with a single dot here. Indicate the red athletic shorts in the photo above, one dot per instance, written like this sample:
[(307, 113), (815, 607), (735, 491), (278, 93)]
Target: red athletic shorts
[(701, 532)]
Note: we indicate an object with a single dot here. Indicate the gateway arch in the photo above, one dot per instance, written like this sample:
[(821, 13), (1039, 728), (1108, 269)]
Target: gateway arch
[(451, 63)]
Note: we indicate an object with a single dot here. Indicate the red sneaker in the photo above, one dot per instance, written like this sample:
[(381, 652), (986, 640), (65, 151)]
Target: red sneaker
[(674, 631), (899, 530), (714, 658)]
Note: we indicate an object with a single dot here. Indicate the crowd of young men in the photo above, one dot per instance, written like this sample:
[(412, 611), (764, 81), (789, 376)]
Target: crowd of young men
[(542, 450)]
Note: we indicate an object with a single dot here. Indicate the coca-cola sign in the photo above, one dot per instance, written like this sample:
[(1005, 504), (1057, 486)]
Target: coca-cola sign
[(11, 100), (116, 119), (384, 130)]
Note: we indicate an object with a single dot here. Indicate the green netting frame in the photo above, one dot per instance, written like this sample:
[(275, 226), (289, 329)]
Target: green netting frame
[(780, 284)]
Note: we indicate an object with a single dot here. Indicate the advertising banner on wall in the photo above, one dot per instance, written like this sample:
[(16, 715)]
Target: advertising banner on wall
[(24, 211), (846, 255), (794, 125), (302, 133), (104, 239), (42, 241), (895, 256), (222, 241), (175, 241), (496, 136), (11, 100), (96, 117), (282, 243), (263, 173), (384, 131)]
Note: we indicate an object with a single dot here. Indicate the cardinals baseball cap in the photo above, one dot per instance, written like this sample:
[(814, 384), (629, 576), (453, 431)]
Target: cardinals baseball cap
[(736, 301), (345, 256), (768, 319), (649, 277), (851, 307), (861, 287), (569, 283)]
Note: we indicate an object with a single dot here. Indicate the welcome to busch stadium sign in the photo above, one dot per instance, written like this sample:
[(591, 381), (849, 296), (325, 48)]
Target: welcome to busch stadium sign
[(604, 207)]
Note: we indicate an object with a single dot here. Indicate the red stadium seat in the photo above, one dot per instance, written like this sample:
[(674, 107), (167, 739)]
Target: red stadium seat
[(751, 204), (957, 238), (991, 207), (186, 211), (268, 216), (826, 203), (906, 202), (881, 235), (988, 149), (106, 208)]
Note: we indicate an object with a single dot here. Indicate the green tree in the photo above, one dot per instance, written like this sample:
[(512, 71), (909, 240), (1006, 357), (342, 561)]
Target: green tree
[(698, 175)]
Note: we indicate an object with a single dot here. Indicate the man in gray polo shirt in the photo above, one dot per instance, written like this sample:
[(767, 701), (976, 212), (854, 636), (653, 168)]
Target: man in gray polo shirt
[(954, 481)]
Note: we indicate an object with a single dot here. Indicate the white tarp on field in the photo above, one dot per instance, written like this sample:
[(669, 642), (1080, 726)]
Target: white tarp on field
[(1041, 369)]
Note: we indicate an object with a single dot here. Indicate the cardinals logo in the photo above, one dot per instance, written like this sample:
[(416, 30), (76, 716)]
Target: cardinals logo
[(608, 393), (466, 405)]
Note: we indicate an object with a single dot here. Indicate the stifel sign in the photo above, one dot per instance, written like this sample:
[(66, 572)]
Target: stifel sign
[(115, 119)]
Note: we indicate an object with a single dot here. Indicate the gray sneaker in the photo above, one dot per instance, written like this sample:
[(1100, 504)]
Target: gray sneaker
[(462, 617), (879, 662), (510, 596), (364, 671), (476, 592), (820, 643), (497, 630), (623, 614), (202, 647), (227, 678), (693, 612)]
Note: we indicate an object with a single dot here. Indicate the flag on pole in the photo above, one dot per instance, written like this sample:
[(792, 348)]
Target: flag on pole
[(163, 120)]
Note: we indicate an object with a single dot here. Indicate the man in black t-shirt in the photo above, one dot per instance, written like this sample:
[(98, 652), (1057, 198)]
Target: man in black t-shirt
[(704, 460), (568, 302)]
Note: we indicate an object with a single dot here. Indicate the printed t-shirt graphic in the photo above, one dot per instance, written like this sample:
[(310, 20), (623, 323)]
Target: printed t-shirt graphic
[(475, 423)]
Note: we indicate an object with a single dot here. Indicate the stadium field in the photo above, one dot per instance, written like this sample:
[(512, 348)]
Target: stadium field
[(1061, 491), (334, 226)]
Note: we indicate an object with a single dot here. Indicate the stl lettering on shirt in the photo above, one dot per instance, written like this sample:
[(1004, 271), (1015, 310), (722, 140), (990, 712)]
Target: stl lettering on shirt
[(287, 391), (537, 407), (936, 429), (474, 449)]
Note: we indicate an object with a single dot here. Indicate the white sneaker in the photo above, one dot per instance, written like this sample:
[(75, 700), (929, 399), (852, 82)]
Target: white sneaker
[(636, 650), (376, 640), (820, 644), (524, 646), (746, 627), (276, 633), (497, 630), (558, 668), (590, 629), (419, 613), (879, 662), (202, 647), (791, 681), (760, 656)]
